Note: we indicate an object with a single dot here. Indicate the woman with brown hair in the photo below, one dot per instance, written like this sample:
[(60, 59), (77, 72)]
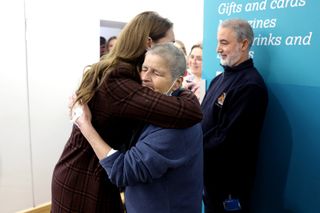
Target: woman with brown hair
[(120, 106)]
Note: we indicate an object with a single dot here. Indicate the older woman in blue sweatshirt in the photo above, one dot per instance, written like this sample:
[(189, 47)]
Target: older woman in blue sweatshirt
[(163, 171)]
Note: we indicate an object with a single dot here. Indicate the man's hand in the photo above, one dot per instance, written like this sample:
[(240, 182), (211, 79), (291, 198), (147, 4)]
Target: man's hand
[(193, 86)]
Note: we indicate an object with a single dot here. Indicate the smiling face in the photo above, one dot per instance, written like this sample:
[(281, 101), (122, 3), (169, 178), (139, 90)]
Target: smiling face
[(156, 75), (195, 61), (231, 51)]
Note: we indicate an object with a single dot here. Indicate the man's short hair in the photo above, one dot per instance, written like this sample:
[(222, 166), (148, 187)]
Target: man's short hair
[(241, 27)]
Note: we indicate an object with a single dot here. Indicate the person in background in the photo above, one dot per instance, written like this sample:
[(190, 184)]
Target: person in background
[(193, 80), (120, 107), (234, 109), (179, 44), (111, 43), (161, 174), (195, 62), (103, 47)]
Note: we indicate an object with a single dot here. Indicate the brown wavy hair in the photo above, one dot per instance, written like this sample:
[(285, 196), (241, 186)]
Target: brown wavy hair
[(130, 50)]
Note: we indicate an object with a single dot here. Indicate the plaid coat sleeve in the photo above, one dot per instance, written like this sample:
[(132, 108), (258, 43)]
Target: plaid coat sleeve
[(131, 100)]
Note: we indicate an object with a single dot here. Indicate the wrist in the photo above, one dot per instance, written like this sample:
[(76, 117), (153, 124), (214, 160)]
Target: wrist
[(86, 129)]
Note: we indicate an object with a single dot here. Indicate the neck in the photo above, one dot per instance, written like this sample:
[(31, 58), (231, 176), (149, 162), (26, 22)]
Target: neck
[(197, 78), (241, 60)]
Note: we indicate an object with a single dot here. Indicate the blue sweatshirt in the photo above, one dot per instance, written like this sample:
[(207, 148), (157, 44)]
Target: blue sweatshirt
[(162, 173)]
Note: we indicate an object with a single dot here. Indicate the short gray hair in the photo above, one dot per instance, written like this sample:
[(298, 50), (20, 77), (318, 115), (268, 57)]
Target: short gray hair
[(173, 57), (241, 27)]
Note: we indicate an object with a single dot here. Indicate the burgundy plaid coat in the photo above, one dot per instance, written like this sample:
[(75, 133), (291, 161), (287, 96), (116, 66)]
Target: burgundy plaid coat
[(79, 183)]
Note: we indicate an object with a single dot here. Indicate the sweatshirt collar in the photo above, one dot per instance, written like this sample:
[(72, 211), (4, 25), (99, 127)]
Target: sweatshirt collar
[(244, 65)]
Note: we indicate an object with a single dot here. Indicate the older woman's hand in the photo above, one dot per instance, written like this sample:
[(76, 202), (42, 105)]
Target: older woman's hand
[(80, 115)]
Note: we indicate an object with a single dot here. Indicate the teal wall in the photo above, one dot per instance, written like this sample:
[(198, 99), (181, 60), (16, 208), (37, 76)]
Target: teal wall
[(288, 178)]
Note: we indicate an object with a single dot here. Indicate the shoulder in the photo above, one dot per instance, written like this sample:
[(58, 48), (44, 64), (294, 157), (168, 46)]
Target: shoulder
[(173, 132), (215, 80), (251, 78), (122, 76), (125, 70), (217, 77)]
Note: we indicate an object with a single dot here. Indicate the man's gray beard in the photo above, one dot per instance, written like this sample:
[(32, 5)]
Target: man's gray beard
[(234, 58)]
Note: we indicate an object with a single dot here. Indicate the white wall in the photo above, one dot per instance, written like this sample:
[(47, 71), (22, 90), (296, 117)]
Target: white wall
[(63, 37), (108, 32), (44, 48), (38, 73), (15, 155), (187, 15)]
